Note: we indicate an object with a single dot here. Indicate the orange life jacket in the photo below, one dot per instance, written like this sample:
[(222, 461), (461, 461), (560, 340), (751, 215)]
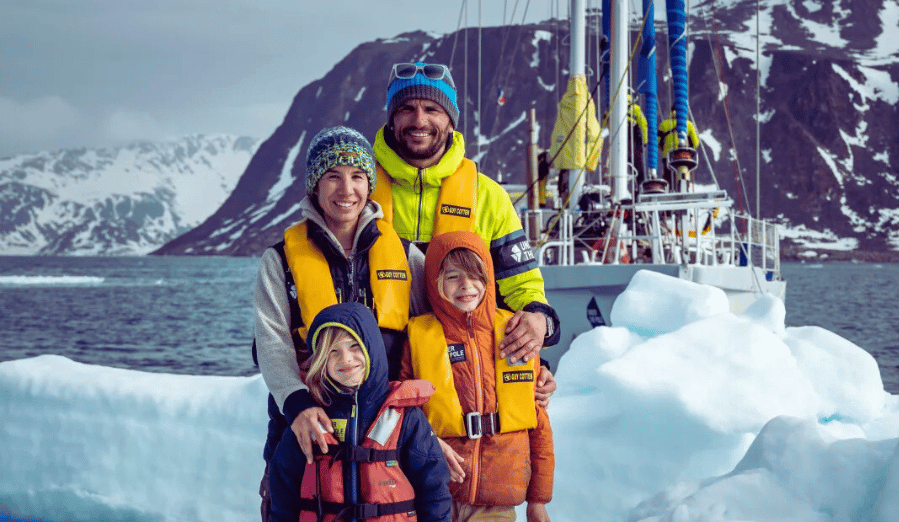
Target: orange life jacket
[(385, 492)]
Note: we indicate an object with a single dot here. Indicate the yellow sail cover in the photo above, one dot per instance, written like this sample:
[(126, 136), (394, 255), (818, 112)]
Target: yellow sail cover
[(581, 150)]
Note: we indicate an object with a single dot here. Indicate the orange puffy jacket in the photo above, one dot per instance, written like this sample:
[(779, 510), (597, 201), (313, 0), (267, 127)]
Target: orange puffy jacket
[(501, 469)]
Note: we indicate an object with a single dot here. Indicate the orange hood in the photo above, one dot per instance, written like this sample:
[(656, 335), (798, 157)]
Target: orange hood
[(446, 313)]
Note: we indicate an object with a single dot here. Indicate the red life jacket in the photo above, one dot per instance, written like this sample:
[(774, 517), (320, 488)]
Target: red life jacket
[(385, 492)]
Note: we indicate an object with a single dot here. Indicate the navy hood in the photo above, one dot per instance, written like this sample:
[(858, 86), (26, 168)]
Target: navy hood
[(360, 321)]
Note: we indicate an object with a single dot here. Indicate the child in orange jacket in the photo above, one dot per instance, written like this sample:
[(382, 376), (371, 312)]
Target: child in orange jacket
[(499, 440)]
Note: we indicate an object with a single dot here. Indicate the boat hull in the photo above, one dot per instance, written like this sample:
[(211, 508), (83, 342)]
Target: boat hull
[(583, 295)]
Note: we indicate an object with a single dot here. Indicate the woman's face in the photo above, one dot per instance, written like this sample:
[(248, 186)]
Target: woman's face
[(346, 363), (461, 289), (342, 193)]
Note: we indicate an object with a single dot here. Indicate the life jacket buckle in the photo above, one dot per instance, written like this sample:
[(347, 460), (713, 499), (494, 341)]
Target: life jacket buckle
[(473, 425), (477, 424)]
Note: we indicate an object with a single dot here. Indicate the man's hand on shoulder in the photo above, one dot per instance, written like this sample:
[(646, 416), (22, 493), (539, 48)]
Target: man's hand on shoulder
[(523, 337)]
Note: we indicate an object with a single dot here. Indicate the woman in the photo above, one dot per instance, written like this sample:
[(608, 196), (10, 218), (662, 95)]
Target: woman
[(341, 250)]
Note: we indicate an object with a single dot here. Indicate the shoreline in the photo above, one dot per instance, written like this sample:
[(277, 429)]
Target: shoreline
[(826, 256)]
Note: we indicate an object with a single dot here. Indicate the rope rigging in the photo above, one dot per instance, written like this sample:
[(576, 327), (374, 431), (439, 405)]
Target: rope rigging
[(716, 60)]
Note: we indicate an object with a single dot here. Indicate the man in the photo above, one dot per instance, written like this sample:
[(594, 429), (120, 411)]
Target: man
[(639, 138), (426, 187), (668, 141)]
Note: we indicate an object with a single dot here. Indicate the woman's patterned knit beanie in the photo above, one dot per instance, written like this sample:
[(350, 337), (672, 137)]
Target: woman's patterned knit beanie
[(442, 92), (334, 146)]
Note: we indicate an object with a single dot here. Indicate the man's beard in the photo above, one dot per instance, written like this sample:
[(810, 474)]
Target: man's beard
[(421, 154)]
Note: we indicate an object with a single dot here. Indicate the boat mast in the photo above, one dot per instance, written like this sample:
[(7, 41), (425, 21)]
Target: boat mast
[(577, 67), (758, 117), (618, 84)]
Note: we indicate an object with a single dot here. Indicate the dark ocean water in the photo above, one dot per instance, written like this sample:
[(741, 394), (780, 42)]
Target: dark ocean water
[(193, 315), (856, 301), (189, 315)]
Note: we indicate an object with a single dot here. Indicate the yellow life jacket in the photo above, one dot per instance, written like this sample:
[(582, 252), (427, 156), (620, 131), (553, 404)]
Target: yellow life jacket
[(514, 384), (389, 276), (456, 203)]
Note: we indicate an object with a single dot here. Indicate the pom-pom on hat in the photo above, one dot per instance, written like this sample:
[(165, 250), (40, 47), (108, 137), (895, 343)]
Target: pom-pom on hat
[(422, 85), (334, 146)]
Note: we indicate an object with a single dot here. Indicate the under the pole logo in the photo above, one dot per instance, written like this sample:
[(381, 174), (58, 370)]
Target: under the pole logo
[(456, 353), (521, 252)]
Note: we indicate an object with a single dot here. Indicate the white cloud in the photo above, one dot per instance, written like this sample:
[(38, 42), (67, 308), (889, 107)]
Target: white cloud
[(259, 120), (28, 125), (124, 126)]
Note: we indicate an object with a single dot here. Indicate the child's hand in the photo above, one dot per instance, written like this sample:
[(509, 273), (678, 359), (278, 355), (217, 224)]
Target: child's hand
[(537, 512), (308, 427), (453, 460), (523, 337), (546, 385)]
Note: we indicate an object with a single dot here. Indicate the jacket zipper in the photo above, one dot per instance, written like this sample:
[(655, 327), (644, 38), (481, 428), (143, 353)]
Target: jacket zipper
[(351, 278), (354, 437), (421, 193)]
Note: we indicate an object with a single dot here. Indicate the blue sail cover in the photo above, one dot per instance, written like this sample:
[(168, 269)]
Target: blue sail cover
[(677, 48), (647, 82)]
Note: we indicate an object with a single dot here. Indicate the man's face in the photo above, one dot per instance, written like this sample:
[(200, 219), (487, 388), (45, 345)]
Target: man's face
[(421, 128)]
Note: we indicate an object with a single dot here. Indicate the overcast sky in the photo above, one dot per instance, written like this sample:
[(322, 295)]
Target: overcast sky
[(99, 72)]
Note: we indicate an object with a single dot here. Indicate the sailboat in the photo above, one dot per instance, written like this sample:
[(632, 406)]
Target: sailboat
[(591, 244)]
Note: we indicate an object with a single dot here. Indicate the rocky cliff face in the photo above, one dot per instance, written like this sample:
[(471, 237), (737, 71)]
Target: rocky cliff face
[(828, 128)]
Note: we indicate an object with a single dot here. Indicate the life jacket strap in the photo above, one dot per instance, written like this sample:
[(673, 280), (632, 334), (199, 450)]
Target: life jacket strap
[(357, 511), (347, 453)]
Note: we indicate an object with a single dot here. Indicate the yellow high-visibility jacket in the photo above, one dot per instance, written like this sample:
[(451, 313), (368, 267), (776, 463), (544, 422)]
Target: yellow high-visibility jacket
[(413, 196)]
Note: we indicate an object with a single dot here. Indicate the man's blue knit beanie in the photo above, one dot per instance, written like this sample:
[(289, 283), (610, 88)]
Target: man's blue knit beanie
[(442, 92), (334, 146)]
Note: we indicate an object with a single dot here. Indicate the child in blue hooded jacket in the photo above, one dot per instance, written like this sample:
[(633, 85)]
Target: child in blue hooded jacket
[(383, 460)]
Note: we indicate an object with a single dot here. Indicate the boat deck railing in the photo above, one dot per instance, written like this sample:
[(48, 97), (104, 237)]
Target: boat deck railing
[(693, 228)]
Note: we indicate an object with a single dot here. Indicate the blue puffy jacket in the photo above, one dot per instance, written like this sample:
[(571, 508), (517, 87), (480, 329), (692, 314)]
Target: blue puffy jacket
[(421, 458)]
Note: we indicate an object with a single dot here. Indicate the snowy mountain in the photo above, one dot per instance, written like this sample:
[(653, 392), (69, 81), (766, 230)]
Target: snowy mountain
[(118, 201), (829, 136)]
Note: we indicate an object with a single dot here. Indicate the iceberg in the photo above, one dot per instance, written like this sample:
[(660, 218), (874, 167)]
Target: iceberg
[(681, 411)]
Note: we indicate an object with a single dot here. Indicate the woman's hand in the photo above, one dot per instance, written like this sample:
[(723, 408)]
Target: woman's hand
[(454, 460), (309, 426)]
